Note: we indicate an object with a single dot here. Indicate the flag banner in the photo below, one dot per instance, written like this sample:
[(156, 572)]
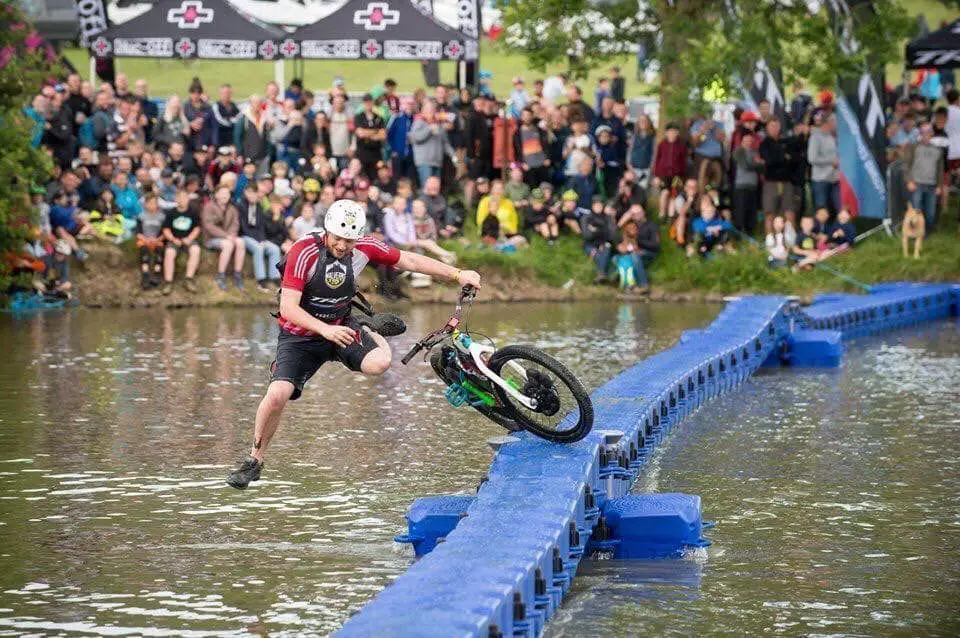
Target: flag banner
[(92, 16)]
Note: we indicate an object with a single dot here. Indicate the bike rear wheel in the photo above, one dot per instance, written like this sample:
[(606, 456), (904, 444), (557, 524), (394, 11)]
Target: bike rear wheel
[(558, 393), (497, 415)]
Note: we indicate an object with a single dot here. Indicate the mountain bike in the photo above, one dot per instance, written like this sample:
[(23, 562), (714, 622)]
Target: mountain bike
[(517, 387)]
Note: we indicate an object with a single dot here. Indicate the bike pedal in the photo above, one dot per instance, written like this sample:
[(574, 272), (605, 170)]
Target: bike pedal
[(456, 395)]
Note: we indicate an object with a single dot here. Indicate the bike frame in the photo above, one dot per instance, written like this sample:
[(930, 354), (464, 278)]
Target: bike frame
[(462, 341)]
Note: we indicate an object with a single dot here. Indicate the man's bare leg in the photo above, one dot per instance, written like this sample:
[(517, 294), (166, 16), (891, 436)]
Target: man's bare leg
[(268, 416), (377, 360)]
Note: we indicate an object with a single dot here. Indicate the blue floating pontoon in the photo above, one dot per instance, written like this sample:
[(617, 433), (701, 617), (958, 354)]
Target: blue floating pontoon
[(499, 563)]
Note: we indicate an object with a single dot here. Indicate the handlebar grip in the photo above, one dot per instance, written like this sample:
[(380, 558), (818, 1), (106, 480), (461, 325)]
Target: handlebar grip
[(410, 355)]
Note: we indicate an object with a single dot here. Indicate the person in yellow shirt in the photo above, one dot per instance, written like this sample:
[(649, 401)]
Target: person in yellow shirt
[(496, 215)]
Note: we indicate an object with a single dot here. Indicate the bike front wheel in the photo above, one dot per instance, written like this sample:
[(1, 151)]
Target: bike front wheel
[(560, 397)]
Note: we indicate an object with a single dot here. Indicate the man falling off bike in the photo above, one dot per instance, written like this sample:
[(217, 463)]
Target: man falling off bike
[(319, 283)]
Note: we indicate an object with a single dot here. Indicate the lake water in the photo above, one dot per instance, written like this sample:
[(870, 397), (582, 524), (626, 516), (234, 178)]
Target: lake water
[(835, 493)]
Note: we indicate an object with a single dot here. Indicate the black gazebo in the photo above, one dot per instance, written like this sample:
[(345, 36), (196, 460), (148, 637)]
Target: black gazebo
[(379, 29), (937, 50), (210, 29)]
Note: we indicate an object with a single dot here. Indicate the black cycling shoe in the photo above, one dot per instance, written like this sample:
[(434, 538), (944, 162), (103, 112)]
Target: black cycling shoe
[(382, 323), (248, 471)]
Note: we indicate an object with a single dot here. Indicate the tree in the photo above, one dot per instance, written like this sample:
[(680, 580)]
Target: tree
[(708, 42), (24, 64)]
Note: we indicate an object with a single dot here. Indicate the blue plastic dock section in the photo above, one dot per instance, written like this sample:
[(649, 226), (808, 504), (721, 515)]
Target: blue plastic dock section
[(503, 569)]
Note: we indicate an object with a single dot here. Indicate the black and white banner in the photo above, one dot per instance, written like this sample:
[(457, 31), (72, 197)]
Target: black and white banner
[(861, 134), (92, 16)]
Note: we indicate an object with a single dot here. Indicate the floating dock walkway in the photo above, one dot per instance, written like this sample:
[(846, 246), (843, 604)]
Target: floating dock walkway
[(499, 563)]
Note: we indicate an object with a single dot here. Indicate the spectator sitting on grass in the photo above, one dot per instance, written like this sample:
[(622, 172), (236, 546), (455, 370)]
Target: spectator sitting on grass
[(709, 231), (439, 209), (127, 197), (166, 190), (842, 233), (68, 224), (806, 245), (221, 232), (253, 233), (570, 212), (821, 227), (149, 234), (681, 211), (496, 215), (181, 227), (778, 243), (539, 217), (426, 230), (599, 233), (516, 189), (639, 246), (399, 228)]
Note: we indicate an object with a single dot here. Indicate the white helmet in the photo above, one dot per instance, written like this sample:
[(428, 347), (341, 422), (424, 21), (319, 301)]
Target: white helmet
[(346, 218)]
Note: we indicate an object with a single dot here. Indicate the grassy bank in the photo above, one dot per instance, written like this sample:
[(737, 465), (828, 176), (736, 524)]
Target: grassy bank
[(876, 259)]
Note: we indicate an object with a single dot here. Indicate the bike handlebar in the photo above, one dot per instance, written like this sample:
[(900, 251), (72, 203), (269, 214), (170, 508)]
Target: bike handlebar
[(413, 352), (467, 293)]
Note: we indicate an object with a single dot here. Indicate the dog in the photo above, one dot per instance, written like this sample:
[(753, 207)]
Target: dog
[(914, 227)]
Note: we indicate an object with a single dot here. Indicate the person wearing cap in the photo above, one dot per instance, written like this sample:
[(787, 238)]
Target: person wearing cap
[(571, 212), (223, 163), (746, 182), (371, 132), (316, 326), (923, 174), (539, 217)]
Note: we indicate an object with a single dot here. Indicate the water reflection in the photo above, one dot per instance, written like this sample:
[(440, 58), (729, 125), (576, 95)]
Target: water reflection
[(117, 428)]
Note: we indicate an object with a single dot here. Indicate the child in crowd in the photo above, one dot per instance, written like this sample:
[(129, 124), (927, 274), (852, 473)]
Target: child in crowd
[(778, 244), (305, 222), (539, 217), (69, 224), (821, 227), (608, 160), (710, 232), (105, 217), (426, 230), (281, 174), (577, 148), (681, 211), (842, 233), (275, 225), (405, 188), (128, 200), (570, 212), (150, 242), (584, 184), (516, 189), (166, 190), (599, 232), (806, 245)]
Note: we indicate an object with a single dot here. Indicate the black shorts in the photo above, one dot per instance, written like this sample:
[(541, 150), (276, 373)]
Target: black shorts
[(299, 358)]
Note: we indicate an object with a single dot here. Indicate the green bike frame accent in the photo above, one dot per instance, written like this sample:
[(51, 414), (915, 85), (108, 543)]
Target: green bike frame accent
[(485, 397)]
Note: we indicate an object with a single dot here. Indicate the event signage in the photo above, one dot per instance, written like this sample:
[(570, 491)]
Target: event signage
[(93, 19)]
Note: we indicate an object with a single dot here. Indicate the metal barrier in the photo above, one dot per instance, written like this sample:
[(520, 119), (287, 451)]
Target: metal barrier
[(510, 553)]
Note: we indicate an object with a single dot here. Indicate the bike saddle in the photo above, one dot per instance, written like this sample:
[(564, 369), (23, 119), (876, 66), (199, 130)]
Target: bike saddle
[(382, 323)]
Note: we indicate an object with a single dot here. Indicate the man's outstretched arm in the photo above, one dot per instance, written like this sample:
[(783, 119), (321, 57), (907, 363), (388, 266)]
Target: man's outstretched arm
[(414, 262)]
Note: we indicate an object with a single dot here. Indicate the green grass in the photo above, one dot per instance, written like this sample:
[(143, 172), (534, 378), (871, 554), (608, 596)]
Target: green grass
[(877, 259), (250, 76)]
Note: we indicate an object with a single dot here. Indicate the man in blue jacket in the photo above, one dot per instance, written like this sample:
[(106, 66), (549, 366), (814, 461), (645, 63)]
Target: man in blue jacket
[(401, 153)]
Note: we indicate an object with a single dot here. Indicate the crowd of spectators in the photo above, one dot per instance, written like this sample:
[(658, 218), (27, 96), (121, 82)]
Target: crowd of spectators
[(243, 181)]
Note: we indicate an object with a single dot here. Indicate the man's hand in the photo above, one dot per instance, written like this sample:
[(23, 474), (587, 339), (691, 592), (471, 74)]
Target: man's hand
[(469, 278), (340, 335)]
